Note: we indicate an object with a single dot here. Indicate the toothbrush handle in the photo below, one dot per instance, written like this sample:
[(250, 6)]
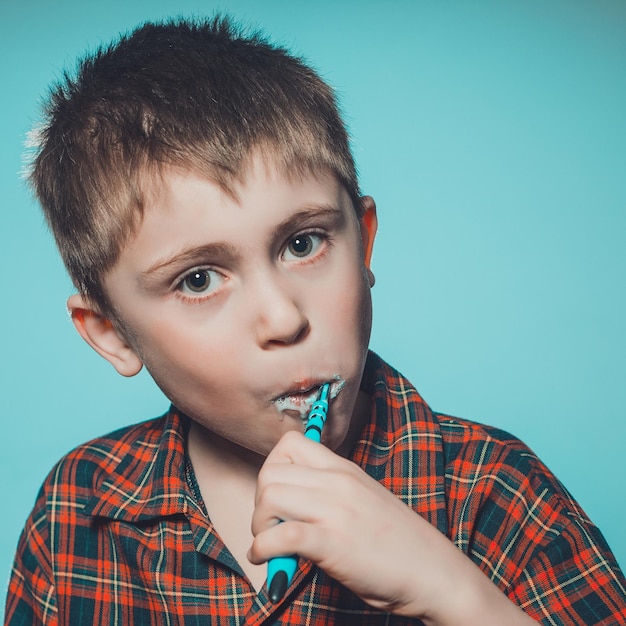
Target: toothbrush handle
[(280, 570)]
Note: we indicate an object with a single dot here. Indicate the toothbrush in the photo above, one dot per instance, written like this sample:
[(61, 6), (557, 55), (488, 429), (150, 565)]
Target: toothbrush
[(280, 570)]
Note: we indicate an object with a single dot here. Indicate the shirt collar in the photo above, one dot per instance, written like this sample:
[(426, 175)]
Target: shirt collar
[(145, 475), (401, 446)]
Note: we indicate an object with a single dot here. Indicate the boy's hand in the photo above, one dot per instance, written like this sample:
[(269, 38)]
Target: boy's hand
[(366, 538)]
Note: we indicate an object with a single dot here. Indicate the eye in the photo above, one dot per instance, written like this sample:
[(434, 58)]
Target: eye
[(200, 282), (303, 245)]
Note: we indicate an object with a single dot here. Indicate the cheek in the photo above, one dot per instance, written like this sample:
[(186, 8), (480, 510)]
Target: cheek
[(349, 309), (172, 351), (167, 343), (183, 335), (190, 361), (365, 313)]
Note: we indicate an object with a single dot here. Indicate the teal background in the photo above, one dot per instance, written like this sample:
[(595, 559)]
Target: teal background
[(493, 137)]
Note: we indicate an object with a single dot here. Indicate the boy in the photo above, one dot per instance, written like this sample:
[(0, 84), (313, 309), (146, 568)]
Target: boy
[(203, 196)]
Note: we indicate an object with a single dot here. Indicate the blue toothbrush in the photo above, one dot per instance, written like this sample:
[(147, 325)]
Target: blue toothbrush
[(280, 570)]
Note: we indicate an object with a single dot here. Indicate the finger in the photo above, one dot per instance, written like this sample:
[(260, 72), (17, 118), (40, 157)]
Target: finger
[(303, 476), (281, 487), (292, 537), (281, 502), (294, 447), (318, 542), (293, 460)]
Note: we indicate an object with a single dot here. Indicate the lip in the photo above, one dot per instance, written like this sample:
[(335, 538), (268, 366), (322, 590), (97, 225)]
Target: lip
[(303, 389), (300, 398), (300, 390)]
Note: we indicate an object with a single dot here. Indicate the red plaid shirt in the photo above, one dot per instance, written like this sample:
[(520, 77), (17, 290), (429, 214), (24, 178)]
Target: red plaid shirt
[(117, 536)]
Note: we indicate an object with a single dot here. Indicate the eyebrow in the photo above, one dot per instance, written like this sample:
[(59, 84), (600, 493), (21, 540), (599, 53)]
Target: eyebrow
[(308, 216), (184, 258)]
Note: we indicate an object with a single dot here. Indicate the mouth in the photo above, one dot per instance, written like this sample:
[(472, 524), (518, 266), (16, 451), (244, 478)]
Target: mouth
[(298, 401)]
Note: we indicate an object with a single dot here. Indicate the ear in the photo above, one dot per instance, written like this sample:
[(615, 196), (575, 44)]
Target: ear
[(102, 336), (369, 225)]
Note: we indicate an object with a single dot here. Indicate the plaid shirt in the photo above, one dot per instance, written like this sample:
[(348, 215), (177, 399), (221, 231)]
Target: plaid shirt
[(117, 536)]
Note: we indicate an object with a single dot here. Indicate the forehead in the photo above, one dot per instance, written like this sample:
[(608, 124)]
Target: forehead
[(262, 161), (258, 182)]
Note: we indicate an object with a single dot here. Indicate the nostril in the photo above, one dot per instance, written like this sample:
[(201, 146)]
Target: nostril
[(298, 334)]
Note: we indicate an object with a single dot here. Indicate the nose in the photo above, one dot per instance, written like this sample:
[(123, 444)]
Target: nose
[(279, 316)]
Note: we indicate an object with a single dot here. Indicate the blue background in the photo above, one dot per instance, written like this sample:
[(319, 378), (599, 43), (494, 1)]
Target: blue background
[(493, 138)]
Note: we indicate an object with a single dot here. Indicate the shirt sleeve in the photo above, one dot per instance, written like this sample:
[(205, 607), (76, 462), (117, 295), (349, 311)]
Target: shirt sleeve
[(517, 522), (574, 579), (32, 595)]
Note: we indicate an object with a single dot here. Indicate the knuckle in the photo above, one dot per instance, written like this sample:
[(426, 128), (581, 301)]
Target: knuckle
[(293, 533), (289, 440), (269, 496), (346, 481)]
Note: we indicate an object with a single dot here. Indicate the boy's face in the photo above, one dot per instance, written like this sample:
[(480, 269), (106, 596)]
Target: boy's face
[(241, 308)]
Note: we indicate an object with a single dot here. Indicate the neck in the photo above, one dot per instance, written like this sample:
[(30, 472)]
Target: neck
[(213, 455), (226, 475)]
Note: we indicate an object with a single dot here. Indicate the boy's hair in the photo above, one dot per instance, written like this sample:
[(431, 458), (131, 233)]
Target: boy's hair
[(195, 95)]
